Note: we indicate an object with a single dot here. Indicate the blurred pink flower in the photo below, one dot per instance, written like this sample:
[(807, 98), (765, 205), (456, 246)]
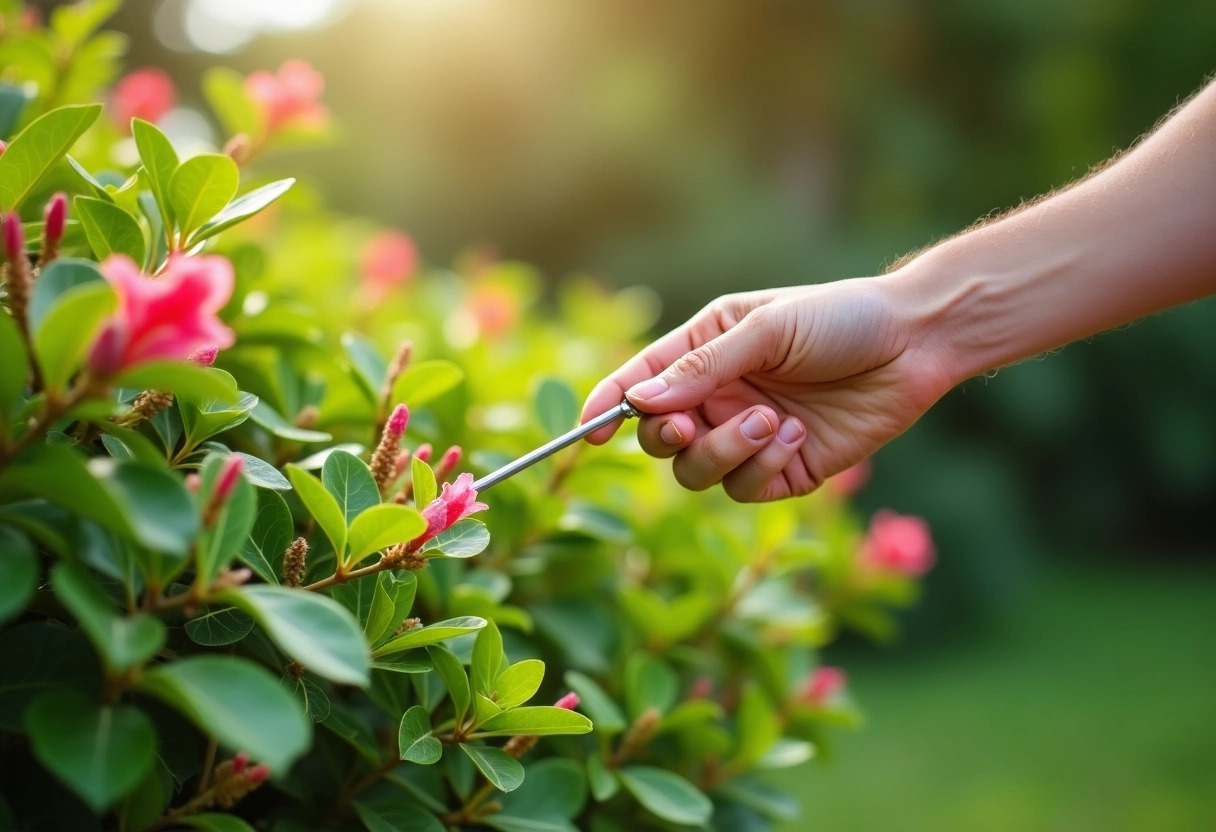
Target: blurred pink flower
[(494, 308), (457, 502), (898, 543), (290, 96), (568, 702), (145, 93), (849, 481), (389, 260), (166, 318), (823, 685)]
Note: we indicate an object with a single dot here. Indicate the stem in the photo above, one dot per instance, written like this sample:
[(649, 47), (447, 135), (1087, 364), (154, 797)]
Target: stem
[(340, 576), (468, 812), (51, 411), (208, 763), (355, 789)]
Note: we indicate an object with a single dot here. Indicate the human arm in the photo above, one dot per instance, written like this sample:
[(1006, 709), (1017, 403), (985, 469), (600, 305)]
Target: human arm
[(829, 373)]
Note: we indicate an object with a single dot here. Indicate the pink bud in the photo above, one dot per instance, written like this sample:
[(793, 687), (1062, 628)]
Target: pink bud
[(398, 421), (898, 543), (447, 463), (424, 452), (259, 773), (193, 483), (228, 477), (824, 684), (105, 357), (204, 356), (14, 237), (3, 147), (701, 688), (568, 702), (239, 762), (56, 215)]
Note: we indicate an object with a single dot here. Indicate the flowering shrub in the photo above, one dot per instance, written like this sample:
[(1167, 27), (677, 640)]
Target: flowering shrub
[(234, 592)]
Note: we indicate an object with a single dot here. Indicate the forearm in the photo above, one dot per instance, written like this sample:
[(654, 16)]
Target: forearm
[(1137, 237)]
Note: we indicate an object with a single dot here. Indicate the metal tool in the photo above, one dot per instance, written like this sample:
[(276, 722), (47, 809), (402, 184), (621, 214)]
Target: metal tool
[(624, 410)]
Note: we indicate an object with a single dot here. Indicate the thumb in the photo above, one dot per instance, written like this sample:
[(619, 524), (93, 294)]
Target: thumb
[(695, 376)]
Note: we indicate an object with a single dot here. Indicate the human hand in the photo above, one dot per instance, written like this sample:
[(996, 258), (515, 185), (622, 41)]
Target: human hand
[(772, 392)]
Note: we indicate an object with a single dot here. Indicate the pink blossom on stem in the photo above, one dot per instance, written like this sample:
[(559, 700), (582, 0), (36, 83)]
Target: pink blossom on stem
[(457, 501), (398, 421), (14, 237), (823, 685), (424, 452), (145, 94), (389, 260), (259, 773), (3, 147), (898, 543), (849, 481), (289, 96), (168, 318), (239, 762), (568, 702), (55, 218), (230, 473), (495, 309), (447, 463)]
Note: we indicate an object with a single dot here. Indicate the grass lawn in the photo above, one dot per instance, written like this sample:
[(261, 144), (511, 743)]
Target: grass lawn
[(1094, 708)]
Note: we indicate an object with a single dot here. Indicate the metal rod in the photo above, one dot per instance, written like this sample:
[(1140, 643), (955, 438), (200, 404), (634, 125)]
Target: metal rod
[(624, 410)]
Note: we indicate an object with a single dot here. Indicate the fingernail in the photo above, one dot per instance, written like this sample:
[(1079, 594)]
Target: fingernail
[(647, 389), (671, 434), (756, 426), (790, 431)]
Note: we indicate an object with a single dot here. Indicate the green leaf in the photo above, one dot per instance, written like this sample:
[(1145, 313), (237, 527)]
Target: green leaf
[(409, 663), (235, 701), (39, 146), (98, 189), (57, 278), (122, 641), (110, 229), (69, 328), (18, 573), (350, 481), (368, 366), (464, 539), (186, 380), (454, 678), (99, 753), (425, 488), (404, 587), (314, 701), (503, 771), (267, 542), (603, 782), (354, 730), (215, 822), (242, 208), (597, 704), (12, 103), (201, 420), (757, 727), (39, 656), (156, 505), (556, 406), (73, 24), (667, 794), (422, 636), (426, 380), (414, 738), (406, 816), (381, 618), (160, 163), (321, 505), (382, 526), (228, 530), (266, 416), (314, 630), (262, 473), (541, 720), (224, 89), (553, 794), (487, 659), (649, 683), (200, 188), (218, 627), (518, 683), (14, 370)]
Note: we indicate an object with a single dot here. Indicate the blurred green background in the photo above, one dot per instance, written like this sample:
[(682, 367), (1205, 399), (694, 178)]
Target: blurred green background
[(1060, 672)]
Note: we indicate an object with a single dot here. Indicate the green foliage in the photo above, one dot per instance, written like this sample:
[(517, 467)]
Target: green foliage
[(174, 635)]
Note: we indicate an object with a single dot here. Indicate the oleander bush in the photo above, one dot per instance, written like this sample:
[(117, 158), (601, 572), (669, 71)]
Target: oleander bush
[(245, 582)]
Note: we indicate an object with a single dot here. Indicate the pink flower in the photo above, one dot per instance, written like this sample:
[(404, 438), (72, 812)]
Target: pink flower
[(389, 259), (55, 218), (424, 451), (291, 96), (230, 473), (898, 543), (166, 318), (14, 237), (398, 421), (145, 93), (447, 463), (824, 685), (494, 308), (849, 481), (456, 502), (568, 702), (204, 356)]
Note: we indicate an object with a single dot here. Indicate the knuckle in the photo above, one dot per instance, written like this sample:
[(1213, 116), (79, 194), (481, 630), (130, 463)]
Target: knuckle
[(695, 364)]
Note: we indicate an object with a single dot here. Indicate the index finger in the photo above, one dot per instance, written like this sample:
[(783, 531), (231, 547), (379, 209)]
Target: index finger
[(646, 364)]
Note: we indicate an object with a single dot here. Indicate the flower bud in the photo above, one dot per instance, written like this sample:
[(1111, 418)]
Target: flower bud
[(447, 463), (225, 484), (193, 483), (823, 685), (384, 458), (398, 421), (238, 147), (568, 702), (239, 762), (14, 238), (424, 452), (55, 218), (259, 773), (3, 147), (106, 354), (204, 356)]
